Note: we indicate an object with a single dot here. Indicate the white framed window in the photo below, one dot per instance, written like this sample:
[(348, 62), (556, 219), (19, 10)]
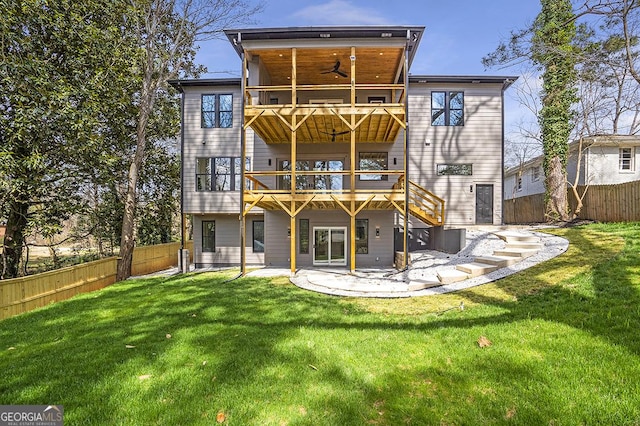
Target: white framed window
[(625, 159), (535, 174)]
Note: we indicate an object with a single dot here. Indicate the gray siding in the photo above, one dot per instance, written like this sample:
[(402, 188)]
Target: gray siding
[(278, 243), (227, 240), (207, 143), (478, 142)]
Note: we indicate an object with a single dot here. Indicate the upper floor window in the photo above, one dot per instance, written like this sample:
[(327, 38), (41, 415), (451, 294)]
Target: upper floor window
[(220, 173), (317, 181), (447, 108), (535, 174), (625, 159), (373, 161), (455, 169), (217, 111)]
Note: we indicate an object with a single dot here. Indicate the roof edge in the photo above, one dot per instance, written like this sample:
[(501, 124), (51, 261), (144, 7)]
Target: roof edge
[(506, 80)]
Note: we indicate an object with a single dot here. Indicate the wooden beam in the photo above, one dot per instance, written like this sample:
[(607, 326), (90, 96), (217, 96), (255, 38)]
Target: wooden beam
[(254, 118), (345, 208), (363, 205), (352, 238), (284, 120), (297, 126), (252, 205), (304, 204), (400, 209), (285, 208), (294, 153), (400, 122)]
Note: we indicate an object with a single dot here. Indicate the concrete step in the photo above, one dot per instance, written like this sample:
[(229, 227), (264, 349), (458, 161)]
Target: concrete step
[(420, 284), (476, 268), (517, 237), (449, 276), (499, 261), (525, 245), (521, 253)]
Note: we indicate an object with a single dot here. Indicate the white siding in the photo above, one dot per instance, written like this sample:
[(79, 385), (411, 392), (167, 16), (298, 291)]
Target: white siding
[(603, 166), (529, 185)]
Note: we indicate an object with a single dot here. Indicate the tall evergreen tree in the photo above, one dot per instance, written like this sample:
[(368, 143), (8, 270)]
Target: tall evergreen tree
[(60, 67)]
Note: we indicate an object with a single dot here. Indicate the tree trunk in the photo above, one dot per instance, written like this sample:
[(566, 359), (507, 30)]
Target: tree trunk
[(127, 240), (557, 206), (14, 238)]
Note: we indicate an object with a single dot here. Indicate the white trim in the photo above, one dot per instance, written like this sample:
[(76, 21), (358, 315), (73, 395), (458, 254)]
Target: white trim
[(329, 261)]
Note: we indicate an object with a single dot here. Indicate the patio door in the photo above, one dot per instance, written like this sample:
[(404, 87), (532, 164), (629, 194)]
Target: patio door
[(329, 246)]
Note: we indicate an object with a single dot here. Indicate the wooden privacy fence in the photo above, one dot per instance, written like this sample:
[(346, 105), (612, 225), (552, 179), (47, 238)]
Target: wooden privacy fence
[(23, 294), (603, 203)]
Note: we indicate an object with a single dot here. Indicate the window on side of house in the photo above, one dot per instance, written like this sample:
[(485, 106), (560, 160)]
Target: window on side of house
[(203, 174), (258, 236), (217, 111), (304, 236), (535, 174), (454, 169), (447, 108), (626, 159), (220, 173), (362, 236), (208, 236), (373, 161)]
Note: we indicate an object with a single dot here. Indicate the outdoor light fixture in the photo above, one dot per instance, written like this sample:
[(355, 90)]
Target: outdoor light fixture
[(204, 141), (269, 161), (395, 161), (470, 188), (386, 35), (325, 35), (377, 232)]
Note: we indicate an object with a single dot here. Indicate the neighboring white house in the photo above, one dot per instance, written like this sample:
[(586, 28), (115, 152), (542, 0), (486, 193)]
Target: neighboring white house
[(606, 160), (337, 143)]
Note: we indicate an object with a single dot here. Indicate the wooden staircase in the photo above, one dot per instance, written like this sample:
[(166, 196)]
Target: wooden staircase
[(423, 204)]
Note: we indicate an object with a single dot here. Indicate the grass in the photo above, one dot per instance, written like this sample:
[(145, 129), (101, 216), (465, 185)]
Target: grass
[(195, 349)]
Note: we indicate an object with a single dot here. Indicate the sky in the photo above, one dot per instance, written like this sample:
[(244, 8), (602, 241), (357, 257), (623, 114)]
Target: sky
[(457, 33)]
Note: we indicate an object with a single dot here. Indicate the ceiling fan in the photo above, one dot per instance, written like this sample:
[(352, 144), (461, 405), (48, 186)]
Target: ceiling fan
[(336, 70), (334, 134)]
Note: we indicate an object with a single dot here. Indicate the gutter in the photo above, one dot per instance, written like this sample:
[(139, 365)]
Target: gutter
[(176, 84)]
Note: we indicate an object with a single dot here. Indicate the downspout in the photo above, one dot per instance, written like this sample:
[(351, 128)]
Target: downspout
[(182, 221), (244, 160), (504, 87), (406, 152)]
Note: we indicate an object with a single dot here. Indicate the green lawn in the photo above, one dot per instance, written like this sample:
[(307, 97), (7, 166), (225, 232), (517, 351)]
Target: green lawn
[(195, 349)]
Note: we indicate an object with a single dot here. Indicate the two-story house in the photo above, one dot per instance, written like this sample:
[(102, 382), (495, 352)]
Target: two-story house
[(323, 147), (600, 160)]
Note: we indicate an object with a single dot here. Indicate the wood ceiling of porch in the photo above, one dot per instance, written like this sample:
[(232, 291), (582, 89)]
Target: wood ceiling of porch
[(373, 65), (380, 127)]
